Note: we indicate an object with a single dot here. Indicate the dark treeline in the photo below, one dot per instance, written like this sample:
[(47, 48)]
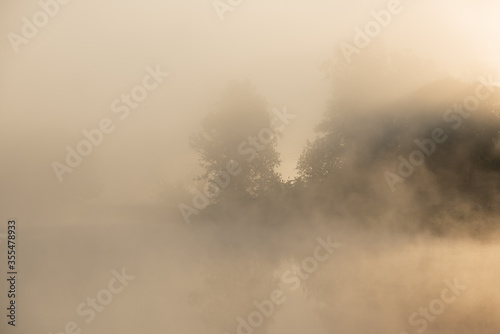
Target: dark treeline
[(401, 144)]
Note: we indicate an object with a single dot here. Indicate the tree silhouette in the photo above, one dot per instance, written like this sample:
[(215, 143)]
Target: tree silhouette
[(363, 136), (236, 136)]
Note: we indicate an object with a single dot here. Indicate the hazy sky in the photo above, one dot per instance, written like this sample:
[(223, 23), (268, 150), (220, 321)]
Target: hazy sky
[(91, 52)]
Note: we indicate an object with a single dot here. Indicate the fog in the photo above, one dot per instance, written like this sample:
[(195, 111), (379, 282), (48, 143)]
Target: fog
[(220, 152)]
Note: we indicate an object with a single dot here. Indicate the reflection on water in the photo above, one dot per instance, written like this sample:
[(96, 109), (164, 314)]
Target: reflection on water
[(187, 281)]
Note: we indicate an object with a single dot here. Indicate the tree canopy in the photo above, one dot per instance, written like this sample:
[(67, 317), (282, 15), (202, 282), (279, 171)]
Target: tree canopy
[(230, 135)]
